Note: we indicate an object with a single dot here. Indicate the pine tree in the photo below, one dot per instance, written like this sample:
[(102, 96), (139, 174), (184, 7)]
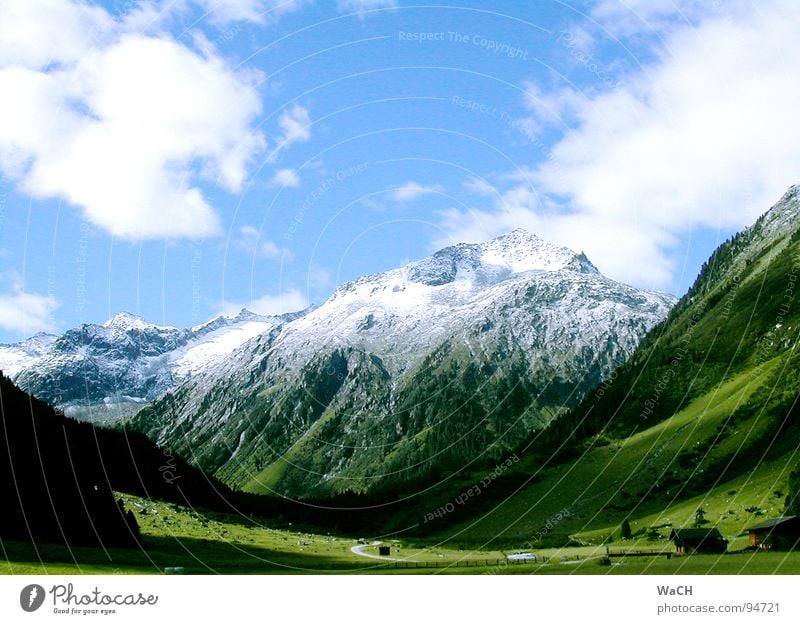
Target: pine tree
[(700, 518)]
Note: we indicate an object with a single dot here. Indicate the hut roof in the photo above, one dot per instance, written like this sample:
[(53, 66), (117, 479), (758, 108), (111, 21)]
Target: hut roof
[(698, 534), (773, 522)]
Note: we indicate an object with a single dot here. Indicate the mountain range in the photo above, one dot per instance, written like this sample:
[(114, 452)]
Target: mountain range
[(451, 359), (106, 372)]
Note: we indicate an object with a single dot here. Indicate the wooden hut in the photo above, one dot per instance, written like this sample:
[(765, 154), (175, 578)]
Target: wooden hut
[(776, 534), (690, 541)]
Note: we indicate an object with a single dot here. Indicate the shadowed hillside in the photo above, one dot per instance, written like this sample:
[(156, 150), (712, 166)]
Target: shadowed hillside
[(54, 485)]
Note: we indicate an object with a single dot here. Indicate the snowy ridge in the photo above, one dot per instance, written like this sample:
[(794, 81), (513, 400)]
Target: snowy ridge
[(16, 357), (125, 359), (517, 252), (212, 343), (399, 314), (125, 321)]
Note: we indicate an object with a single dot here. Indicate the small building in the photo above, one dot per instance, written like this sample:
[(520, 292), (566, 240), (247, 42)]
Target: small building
[(690, 541), (776, 534), (384, 551)]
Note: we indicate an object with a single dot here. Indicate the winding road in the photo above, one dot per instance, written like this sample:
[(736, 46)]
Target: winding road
[(358, 550)]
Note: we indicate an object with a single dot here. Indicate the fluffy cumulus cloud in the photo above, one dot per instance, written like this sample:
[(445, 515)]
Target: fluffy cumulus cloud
[(286, 178), (123, 125), (632, 17), (289, 300), (705, 136), (708, 136), (27, 313)]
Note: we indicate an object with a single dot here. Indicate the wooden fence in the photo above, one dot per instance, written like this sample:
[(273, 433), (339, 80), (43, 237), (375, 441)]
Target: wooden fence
[(462, 563), (640, 553), (411, 565)]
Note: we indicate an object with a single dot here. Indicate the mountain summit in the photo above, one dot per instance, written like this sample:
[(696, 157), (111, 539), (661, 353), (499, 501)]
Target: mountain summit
[(126, 321), (493, 261), (516, 252)]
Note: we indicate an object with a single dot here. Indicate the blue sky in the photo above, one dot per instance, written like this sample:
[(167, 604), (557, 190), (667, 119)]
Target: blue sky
[(179, 158)]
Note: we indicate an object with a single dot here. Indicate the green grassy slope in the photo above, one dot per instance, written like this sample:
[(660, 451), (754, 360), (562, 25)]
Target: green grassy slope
[(658, 475)]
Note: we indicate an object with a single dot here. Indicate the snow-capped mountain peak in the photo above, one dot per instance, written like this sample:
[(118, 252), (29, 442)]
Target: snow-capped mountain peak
[(246, 315), (475, 264), (227, 319), (517, 252), (125, 321), (523, 251), (782, 217)]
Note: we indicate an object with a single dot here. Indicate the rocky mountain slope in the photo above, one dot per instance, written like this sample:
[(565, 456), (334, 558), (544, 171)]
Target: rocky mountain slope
[(449, 360)]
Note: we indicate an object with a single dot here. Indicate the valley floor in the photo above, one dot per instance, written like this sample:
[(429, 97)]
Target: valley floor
[(177, 537)]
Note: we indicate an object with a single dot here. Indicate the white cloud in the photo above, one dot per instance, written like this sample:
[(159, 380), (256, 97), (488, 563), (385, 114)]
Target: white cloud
[(249, 240), (27, 313), (549, 108), (122, 125), (479, 187), (413, 190), (259, 11), (34, 33), (290, 300), (624, 18), (361, 6), (295, 125), (706, 136), (286, 178)]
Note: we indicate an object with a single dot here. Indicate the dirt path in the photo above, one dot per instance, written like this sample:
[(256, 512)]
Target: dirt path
[(358, 550)]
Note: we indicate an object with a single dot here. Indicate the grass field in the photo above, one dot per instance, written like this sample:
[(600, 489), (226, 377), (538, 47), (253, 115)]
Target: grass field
[(219, 544)]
